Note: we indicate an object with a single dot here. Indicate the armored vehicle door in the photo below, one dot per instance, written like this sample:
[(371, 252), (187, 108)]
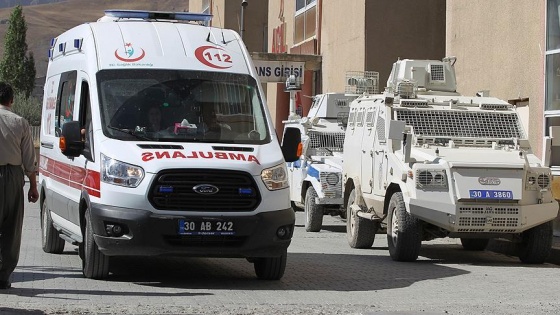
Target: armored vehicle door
[(380, 153), (367, 152)]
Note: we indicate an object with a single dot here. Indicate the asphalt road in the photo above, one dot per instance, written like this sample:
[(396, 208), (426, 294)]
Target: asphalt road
[(323, 276)]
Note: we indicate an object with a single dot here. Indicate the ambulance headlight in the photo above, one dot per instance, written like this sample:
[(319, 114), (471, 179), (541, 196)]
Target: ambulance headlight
[(120, 173), (275, 177)]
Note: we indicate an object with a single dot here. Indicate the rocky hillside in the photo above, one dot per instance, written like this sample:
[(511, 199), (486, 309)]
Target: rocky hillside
[(45, 21)]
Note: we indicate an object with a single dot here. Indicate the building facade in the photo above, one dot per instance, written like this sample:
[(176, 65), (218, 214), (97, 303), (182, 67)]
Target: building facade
[(357, 35), (331, 38), (500, 49)]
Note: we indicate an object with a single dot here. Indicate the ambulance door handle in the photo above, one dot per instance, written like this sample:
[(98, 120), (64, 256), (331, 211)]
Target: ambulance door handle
[(48, 145)]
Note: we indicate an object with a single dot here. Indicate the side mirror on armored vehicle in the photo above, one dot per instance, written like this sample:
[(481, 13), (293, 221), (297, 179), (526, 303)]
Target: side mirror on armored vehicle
[(396, 129), (70, 141), (291, 144)]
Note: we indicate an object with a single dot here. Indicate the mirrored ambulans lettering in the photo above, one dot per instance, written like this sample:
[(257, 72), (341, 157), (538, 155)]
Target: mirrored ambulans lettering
[(159, 155)]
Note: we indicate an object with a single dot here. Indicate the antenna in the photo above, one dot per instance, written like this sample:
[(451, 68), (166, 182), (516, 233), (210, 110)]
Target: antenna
[(219, 19)]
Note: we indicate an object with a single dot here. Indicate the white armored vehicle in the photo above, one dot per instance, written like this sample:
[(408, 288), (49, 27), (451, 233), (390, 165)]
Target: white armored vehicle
[(431, 163), (316, 178)]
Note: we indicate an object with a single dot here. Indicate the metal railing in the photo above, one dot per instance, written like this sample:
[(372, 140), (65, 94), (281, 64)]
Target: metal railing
[(35, 133)]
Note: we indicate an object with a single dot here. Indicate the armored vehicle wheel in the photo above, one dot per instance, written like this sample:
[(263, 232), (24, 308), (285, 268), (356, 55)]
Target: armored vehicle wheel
[(360, 232), (95, 264), (51, 241), (403, 231), (536, 244), (270, 268), (313, 212), (475, 244)]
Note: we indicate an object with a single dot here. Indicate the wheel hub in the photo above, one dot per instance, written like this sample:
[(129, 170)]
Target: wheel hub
[(394, 227)]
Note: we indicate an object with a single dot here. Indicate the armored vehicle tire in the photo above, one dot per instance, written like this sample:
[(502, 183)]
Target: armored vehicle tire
[(270, 268), (360, 232), (536, 244), (313, 212), (50, 239), (95, 264), (475, 244), (404, 231)]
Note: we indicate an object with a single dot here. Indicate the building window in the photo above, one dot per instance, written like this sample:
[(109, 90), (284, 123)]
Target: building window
[(552, 59), (553, 81), (206, 6), (553, 25), (305, 20)]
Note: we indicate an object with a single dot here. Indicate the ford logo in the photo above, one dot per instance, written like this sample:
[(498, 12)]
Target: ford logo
[(489, 181), (205, 189)]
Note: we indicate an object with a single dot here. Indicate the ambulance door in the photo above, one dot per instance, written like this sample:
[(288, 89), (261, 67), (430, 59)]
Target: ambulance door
[(82, 179), (61, 168)]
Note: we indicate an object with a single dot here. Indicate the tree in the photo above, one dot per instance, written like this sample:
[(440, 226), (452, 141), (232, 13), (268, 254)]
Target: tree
[(17, 66)]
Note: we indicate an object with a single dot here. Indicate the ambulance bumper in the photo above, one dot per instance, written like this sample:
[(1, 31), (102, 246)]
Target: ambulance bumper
[(144, 233)]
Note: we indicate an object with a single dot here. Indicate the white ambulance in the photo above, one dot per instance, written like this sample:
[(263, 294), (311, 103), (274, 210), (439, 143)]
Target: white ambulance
[(156, 140)]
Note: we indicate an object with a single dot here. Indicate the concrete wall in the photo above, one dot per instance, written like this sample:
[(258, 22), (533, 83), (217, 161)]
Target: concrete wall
[(500, 47), (274, 93), (342, 41), (403, 29), (227, 14)]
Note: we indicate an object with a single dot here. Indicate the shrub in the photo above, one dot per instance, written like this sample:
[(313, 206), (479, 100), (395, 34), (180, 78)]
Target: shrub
[(28, 108)]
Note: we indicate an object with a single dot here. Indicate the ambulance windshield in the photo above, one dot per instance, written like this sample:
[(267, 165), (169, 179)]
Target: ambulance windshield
[(181, 106)]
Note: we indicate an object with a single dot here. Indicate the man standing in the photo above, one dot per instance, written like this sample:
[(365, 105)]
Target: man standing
[(16, 150)]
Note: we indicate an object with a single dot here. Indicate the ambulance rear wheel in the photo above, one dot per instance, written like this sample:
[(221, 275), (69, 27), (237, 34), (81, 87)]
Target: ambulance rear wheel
[(536, 244), (313, 212), (403, 231), (270, 268), (51, 241), (360, 232), (475, 244), (95, 264)]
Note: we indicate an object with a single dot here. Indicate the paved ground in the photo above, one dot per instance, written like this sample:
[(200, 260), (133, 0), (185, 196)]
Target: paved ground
[(324, 276)]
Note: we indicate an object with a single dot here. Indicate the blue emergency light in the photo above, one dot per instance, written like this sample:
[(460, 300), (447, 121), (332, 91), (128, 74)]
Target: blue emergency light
[(159, 15)]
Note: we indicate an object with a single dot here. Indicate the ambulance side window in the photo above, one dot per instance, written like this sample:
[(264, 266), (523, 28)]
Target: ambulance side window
[(86, 122), (65, 100)]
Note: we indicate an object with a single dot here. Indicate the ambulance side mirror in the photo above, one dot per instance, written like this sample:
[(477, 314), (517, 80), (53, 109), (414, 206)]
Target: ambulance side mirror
[(70, 142), (290, 144)]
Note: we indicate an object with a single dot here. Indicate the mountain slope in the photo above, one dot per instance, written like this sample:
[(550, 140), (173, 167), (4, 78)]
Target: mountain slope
[(46, 21)]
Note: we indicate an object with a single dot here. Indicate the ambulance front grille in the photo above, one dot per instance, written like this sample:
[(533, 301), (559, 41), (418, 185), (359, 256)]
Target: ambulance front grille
[(230, 191)]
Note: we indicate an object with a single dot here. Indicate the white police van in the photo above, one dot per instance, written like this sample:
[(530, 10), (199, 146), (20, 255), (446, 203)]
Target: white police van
[(156, 140)]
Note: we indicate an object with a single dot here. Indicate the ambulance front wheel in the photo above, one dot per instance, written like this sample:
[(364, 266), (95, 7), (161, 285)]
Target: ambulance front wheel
[(270, 268), (95, 264)]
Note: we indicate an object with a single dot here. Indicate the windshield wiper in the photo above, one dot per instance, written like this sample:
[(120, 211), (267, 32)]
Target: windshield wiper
[(132, 133)]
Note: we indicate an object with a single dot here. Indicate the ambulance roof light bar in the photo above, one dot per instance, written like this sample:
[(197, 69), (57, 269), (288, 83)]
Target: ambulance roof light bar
[(159, 15)]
